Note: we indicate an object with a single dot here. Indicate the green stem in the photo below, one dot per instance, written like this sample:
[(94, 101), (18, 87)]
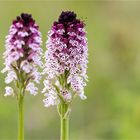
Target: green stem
[(21, 118), (64, 123)]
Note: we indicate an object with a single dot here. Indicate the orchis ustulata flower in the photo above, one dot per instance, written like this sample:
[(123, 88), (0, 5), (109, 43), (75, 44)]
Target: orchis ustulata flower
[(66, 65), (22, 61), (23, 54), (66, 60)]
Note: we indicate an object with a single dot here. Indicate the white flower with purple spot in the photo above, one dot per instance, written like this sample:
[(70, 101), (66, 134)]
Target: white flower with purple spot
[(32, 89), (8, 91)]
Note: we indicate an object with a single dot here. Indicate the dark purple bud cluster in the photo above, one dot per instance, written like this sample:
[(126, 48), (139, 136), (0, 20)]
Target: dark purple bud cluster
[(25, 19), (67, 16)]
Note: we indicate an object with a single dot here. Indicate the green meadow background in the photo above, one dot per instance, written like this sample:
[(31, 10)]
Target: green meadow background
[(112, 109)]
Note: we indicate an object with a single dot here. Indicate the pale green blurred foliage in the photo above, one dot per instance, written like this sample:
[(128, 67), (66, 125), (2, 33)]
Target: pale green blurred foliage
[(112, 109)]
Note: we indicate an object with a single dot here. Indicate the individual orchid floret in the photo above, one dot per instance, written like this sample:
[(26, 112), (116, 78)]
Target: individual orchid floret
[(9, 91), (66, 60), (23, 53)]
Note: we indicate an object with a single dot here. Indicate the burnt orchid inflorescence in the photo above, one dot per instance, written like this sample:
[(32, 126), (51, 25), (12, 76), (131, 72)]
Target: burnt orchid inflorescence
[(23, 55), (66, 60), (66, 65), (22, 62)]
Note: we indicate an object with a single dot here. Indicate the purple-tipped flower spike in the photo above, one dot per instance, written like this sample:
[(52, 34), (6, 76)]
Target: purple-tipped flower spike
[(23, 54), (66, 60), (66, 65), (22, 61)]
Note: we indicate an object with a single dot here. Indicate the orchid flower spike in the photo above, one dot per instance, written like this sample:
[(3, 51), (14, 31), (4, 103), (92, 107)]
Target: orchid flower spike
[(23, 55), (66, 60)]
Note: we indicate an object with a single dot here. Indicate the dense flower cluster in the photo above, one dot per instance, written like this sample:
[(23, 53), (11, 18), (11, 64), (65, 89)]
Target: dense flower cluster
[(66, 60), (23, 54)]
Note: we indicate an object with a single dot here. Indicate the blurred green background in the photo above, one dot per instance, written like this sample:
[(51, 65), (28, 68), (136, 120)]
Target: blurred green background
[(112, 110)]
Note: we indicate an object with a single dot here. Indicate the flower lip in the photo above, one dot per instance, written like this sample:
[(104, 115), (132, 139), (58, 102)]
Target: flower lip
[(67, 16)]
